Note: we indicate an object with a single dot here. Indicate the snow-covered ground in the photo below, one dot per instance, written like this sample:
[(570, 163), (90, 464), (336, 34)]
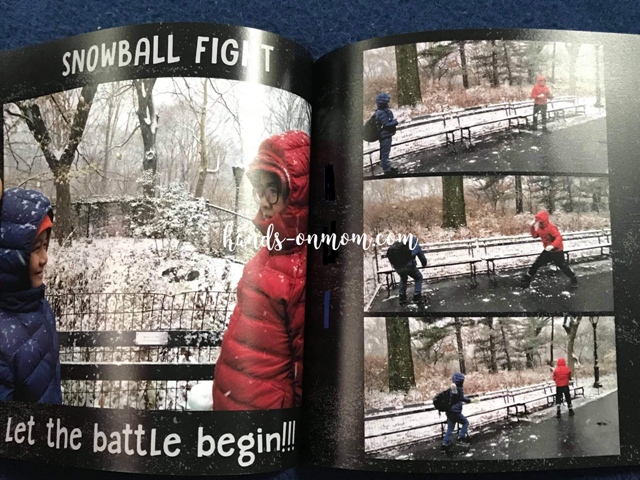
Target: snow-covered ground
[(488, 409), (128, 265)]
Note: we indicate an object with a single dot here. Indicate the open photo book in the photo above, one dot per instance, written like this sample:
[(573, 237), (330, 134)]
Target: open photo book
[(416, 254)]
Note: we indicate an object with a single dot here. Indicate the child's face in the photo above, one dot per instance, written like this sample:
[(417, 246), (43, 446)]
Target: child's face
[(268, 192), (39, 259)]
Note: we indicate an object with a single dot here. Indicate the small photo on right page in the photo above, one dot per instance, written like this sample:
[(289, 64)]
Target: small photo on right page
[(484, 105), (490, 388)]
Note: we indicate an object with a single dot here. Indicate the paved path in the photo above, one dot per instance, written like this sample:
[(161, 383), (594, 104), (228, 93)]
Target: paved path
[(593, 431), (550, 293), (576, 149)]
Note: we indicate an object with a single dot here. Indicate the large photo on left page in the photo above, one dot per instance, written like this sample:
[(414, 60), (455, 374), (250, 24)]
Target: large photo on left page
[(152, 300)]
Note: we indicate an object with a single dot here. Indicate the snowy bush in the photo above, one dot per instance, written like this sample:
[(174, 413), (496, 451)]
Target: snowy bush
[(174, 218)]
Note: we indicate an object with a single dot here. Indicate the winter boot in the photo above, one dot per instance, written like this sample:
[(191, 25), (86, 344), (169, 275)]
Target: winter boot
[(418, 299), (403, 299), (558, 412), (574, 282), (391, 171), (525, 280), (571, 412), (466, 440), (445, 448)]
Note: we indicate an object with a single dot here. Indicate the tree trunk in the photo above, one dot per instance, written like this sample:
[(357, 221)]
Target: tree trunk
[(495, 80), (104, 184), (453, 206), (60, 167), (553, 64), (407, 74), (401, 376), (598, 79), (519, 196), (551, 357), (507, 60), (463, 64), (64, 225), (148, 120), (204, 163), (493, 364), (573, 330), (574, 50), (458, 325), (505, 346), (569, 192)]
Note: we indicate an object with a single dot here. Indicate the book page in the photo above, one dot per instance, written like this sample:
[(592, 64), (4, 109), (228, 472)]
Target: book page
[(154, 177), (479, 299)]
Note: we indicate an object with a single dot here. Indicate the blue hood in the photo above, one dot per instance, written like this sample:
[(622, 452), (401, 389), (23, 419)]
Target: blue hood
[(382, 101), (22, 213), (458, 379)]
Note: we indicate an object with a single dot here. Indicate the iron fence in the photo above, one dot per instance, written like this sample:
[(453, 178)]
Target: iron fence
[(138, 350)]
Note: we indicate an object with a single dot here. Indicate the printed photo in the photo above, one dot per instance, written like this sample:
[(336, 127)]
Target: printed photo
[(484, 106), (496, 243), (143, 206), (490, 388)]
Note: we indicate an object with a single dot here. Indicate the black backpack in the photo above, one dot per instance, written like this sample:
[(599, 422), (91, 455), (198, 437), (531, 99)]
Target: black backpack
[(371, 130), (443, 401), (399, 255)]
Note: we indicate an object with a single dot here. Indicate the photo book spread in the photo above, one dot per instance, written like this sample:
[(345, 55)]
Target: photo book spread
[(418, 253)]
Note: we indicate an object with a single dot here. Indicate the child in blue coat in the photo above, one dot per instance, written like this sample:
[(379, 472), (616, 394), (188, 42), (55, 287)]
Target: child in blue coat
[(387, 124), (29, 352), (454, 414)]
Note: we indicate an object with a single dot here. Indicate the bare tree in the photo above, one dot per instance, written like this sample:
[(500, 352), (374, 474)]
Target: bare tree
[(148, 128), (66, 132)]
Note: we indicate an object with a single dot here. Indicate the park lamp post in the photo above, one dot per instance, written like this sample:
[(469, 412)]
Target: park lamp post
[(596, 367), (238, 174)]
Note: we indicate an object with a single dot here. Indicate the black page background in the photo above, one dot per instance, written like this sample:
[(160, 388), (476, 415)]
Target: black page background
[(339, 402)]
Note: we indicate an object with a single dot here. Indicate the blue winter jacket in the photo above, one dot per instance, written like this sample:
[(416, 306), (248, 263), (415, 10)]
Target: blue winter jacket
[(29, 352), (416, 251), (458, 379), (384, 116)]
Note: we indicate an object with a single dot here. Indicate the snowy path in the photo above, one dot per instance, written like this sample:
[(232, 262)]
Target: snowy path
[(593, 431)]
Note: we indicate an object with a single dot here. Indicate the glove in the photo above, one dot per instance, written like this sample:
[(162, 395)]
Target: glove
[(454, 389), (549, 248), (534, 223), (541, 95)]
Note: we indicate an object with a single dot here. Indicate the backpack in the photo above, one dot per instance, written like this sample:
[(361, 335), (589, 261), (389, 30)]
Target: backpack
[(371, 130), (442, 401), (399, 255)]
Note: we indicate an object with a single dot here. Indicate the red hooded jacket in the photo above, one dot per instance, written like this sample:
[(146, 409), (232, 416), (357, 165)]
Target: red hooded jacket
[(562, 374), (538, 89), (547, 232), (260, 362)]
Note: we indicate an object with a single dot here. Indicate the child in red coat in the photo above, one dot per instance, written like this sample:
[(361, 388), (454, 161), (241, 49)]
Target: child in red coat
[(260, 362), (540, 93), (562, 375), (553, 252)]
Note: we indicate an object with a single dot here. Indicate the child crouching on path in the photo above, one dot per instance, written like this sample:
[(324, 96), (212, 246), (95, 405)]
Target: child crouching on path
[(29, 353), (260, 362)]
